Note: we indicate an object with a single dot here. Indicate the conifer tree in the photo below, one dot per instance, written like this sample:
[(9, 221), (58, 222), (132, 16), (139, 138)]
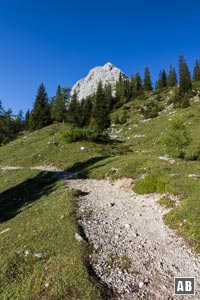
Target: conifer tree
[(138, 83), (101, 109), (162, 80), (27, 120), (85, 110), (184, 77), (135, 86), (196, 72), (120, 89), (109, 97), (58, 105), (147, 84), (127, 90), (172, 77), (40, 115), (73, 112)]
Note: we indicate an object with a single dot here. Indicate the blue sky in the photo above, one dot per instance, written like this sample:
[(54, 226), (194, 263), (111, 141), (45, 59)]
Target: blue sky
[(58, 42)]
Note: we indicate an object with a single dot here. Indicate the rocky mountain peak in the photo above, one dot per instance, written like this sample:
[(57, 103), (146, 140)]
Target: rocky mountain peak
[(88, 85)]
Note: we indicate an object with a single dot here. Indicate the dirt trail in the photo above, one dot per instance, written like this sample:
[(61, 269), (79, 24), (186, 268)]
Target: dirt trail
[(135, 253)]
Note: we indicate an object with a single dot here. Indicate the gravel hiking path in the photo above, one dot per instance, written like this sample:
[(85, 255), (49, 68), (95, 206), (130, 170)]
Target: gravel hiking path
[(134, 252)]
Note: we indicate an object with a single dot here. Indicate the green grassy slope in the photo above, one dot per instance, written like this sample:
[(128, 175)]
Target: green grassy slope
[(37, 216)]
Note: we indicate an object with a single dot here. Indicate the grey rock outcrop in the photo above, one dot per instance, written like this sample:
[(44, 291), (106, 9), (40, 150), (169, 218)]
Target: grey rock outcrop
[(88, 85)]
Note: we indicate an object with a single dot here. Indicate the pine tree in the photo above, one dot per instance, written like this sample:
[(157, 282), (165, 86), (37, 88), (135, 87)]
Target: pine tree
[(196, 72), (40, 115), (58, 105), (147, 84), (101, 109), (135, 86), (73, 112), (185, 101), (138, 83), (184, 77), (109, 97), (127, 90), (120, 89), (172, 77), (27, 120), (85, 111), (19, 122), (162, 80)]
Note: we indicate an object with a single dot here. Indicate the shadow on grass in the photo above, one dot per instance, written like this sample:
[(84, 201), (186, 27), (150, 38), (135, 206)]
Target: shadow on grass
[(15, 198), (83, 168)]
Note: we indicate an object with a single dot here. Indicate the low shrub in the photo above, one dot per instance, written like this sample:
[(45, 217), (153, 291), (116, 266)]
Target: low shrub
[(177, 138), (151, 183), (86, 133), (151, 109)]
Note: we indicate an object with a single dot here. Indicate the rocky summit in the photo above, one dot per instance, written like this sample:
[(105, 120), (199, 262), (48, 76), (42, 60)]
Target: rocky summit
[(88, 85)]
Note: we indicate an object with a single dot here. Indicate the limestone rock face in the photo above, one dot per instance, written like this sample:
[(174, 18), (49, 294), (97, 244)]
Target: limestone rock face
[(88, 85)]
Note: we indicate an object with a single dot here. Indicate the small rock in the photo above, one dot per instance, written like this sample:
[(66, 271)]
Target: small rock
[(78, 237), (26, 253), (127, 226), (141, 284), (194, 176), (5, 230), (38, 255)]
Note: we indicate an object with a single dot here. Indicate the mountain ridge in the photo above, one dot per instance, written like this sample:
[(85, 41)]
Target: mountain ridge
[(107, 74)]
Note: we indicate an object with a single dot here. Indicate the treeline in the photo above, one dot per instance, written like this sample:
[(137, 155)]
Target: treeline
[(94, 111)]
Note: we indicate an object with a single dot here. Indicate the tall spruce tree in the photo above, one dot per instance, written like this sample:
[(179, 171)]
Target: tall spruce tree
[(101, 109), (162, 80), (185, 84), (86, 109), (172, 77), (120, 89), (196, 71), (73, 112), (147, 84), (58, 105), (138, 83), (27, 120), (40, 115), (135, 86), (109, 97)]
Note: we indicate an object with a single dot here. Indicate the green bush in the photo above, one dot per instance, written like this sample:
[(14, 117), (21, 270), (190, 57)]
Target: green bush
[(79, 134), (151, 183), (151, 109), (177, 138)]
